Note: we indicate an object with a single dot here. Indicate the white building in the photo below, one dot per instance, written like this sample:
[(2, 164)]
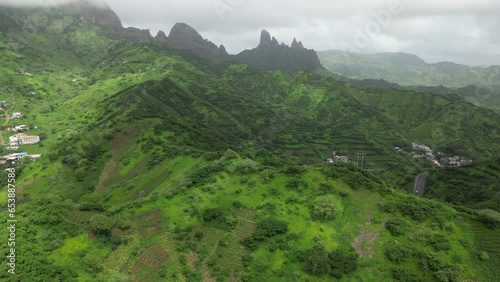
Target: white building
[(23, 139), (17, 115)]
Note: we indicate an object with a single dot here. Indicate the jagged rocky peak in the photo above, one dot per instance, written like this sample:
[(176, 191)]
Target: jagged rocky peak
[(182, 31), (222, 49), (270, 55), (296, 44), (265, 38), (183, 36), (161, 36)]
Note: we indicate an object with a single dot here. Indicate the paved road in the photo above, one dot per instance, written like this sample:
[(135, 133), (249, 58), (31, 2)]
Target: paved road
[(419, 188)]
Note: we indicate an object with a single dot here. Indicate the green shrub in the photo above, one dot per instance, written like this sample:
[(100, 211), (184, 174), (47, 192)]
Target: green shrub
[(100, 224), (343, 262), (268, 228), (449, 274), (338, 263), (265, 230), (397, 226), (245, 166), (405, 275), (396, 253), (326, 207), (220, 218)]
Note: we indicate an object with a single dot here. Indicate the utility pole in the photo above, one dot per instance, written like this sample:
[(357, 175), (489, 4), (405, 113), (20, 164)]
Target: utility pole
[(357, 162), (362, 155), (363, 161)]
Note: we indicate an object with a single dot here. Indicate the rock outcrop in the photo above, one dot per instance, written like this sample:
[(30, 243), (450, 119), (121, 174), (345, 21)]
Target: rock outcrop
[(270, 55), (182, 36), (161, 37)]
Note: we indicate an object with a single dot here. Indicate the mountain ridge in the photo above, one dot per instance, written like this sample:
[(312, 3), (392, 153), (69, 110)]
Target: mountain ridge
[(407, 69), (270, 55)]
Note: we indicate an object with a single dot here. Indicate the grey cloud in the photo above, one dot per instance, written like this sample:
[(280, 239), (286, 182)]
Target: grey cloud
[(463, 31)]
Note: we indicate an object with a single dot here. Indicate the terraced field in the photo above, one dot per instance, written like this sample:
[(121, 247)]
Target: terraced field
[(151, 186), (488, 240), (148, 223)]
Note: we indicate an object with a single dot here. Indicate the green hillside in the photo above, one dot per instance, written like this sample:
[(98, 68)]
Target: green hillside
[(407, 69), (474, 186), (159, 165), (447, 123), (477, 85)]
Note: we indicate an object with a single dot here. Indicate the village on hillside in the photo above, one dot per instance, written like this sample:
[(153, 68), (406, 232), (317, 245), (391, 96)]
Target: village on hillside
[(336, 158), (421, 151), (19, 137)]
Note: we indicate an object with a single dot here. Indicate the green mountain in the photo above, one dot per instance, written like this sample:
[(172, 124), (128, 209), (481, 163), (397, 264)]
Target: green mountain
[(478, 85), (407, 69), (163, 164)]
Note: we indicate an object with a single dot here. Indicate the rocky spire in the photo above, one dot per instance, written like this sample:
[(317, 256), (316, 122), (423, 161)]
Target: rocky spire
[(265, 38), (296, 44), (223, 51)]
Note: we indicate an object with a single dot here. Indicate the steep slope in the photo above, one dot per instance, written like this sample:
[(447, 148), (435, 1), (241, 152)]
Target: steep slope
[(474, 186), (446, 122)]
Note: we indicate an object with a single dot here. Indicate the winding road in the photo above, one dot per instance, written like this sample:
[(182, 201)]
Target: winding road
[(419, 188)]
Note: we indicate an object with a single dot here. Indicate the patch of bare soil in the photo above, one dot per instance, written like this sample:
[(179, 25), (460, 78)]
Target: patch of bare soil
[(363, 244)]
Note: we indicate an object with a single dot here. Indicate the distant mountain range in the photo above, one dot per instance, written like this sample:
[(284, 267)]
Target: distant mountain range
[(407, 69), (478, 85)]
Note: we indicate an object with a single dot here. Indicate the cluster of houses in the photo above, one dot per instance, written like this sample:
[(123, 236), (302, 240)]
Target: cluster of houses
[(336, 158), (427, 153), (424, 151), (18, 156), (19, 138), (456, 161)]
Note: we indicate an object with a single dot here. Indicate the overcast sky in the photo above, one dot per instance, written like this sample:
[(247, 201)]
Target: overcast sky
[(462, 31)]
